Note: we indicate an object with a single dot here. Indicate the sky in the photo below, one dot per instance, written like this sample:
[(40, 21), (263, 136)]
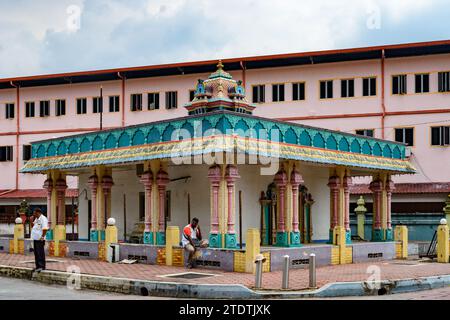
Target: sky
[(53, 36)]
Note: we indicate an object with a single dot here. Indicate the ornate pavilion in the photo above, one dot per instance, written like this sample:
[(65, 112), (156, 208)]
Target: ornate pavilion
[(294, 179)]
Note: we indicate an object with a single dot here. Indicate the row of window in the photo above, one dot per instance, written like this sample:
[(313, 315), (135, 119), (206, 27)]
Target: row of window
[(97, 105), (369, 87), (440, 136)]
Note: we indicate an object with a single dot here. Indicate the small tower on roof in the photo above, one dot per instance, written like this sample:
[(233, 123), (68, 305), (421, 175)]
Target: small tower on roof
[(219, 92)]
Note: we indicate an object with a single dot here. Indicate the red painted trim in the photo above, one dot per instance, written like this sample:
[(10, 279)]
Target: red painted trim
[(244, 75), (55, 131), (17, 133), (363, 115), (232, 60), (123, 97)]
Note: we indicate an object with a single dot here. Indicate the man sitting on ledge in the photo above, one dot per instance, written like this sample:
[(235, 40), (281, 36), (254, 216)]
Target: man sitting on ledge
[(192, 239)]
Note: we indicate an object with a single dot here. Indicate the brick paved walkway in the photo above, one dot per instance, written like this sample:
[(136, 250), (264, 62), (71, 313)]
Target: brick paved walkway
[(390, 270)]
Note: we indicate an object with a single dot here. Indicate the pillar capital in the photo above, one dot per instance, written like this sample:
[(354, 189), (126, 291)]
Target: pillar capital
[(334, 183), (147, 180), (48, 185), (107, 183), (390, 186), (296, 179), (347, 182), (214, 174), (376, 186), (93, 183), (281, 179), (61, 185), (231, 174), (162, 179)]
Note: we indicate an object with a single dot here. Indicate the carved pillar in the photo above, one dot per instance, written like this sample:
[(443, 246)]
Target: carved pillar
[(214, 176), (296, 181), (231, 175), (377, 188), (281, 183), (162, 180), (147, 181), (107, 184), (48, 185), (334, 185), (390, 187), (346, 184), (93, 185), (60, 229), (309, 201)]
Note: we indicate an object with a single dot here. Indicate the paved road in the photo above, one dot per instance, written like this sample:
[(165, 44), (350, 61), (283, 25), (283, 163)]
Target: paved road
[(15, 289)]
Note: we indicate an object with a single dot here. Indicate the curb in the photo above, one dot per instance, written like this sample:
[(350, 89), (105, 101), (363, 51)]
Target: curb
[(222, 291)]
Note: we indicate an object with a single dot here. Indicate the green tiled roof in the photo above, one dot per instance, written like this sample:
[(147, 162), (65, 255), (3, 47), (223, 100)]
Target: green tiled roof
[(221, 131)]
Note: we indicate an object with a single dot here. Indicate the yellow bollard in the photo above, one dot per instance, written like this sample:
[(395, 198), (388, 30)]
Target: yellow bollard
[(18, 234), (401, 236), (59, 235), (443, 242), (172, 239), (111, 232), (252, 249), (340, 241)]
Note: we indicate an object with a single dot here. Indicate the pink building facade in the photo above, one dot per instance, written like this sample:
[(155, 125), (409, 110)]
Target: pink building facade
[(391, 92)]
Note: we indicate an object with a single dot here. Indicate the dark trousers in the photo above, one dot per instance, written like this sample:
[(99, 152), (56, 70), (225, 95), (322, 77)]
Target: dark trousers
[(39, 253)]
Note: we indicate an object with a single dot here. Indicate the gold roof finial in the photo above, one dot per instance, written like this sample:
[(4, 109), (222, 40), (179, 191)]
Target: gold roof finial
[(220, 65)]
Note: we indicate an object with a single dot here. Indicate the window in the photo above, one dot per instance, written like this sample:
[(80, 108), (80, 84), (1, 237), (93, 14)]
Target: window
[(298, 91), (97, 105), (136, 102), (171, 100), (44, 108), (60, 107), (422, 83), (29, 109), (405, 135), (440, 136), (10, 111), (114, 104), (365, 132), (26, 152), (399, 84), (259, 94), (153, 101), (278, 92), (81, 106), (369, 87), (444, 81), (326, 89), (347, 88), (6, 153), (191, 95)]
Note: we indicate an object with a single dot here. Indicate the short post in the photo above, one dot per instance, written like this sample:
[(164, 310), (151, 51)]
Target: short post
[(285, 283), (18, 234), (172, 240), (312, 271), (110, 234), (443, 242), (259, 270)]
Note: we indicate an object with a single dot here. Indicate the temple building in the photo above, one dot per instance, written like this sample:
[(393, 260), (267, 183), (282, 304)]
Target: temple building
[(229, 168)]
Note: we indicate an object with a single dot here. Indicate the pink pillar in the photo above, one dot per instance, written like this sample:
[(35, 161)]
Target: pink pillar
[(347, 183), (107, 184), (93, 184), (61, 187), (48, 185), (281, 182), (231, 175), (376, 187), (334, 185), (390, 187), (162, 180), (147, 181), (214, 175), (296, 181)]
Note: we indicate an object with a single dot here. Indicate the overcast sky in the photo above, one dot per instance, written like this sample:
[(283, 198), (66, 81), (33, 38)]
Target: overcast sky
[(50, 36)]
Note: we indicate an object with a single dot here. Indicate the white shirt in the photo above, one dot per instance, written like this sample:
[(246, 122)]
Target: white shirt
[(184, 239), (39, 225)]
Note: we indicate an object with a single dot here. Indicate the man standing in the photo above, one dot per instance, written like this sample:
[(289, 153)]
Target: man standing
[(192, 239), (40, 227)]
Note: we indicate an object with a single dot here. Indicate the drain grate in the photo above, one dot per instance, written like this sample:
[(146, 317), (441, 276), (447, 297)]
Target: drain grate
[(189, 275)]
